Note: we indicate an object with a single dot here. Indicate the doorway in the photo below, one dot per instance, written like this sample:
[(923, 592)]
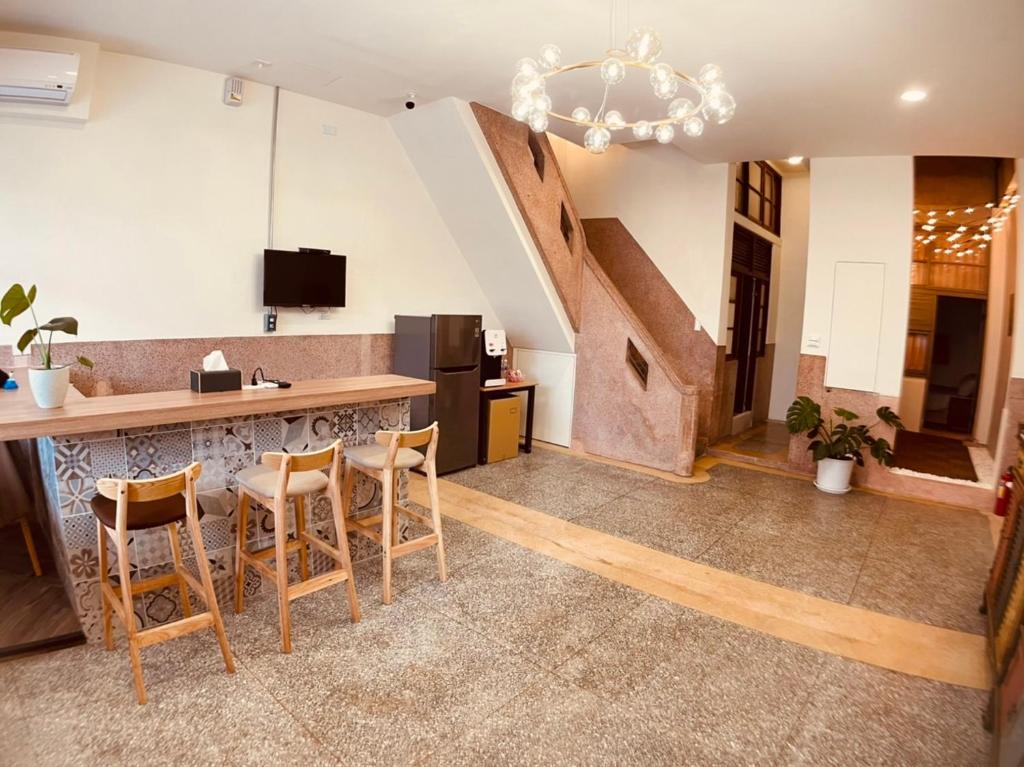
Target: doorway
[(749, 289), (954, 374)]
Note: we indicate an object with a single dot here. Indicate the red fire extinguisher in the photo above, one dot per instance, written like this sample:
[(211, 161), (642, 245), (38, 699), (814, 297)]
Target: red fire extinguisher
[(1003, 493)]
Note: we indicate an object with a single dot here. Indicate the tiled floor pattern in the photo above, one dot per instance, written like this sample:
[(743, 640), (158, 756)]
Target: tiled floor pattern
[(911, 560), (518, 659)]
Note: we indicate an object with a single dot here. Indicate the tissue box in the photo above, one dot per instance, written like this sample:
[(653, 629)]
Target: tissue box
[(204, 381)]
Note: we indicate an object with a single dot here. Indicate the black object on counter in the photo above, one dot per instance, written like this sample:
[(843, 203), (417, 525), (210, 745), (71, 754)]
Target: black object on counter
[(444, 348), (204, 381)]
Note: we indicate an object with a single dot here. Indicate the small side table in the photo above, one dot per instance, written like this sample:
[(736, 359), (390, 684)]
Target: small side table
[(530, 387)]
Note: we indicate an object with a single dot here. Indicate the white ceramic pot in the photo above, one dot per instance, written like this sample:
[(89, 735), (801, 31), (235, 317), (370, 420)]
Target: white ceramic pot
[(50, 387), (834, 475)]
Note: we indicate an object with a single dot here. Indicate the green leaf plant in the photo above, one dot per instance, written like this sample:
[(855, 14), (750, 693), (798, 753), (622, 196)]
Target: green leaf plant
[(841, 439), (17, 301)]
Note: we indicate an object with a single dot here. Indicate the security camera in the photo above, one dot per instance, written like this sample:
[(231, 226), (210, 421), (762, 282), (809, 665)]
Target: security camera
[(410, 100)]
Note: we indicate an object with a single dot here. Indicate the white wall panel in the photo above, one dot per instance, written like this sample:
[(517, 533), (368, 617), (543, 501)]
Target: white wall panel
[(858, 298), (555, 374)]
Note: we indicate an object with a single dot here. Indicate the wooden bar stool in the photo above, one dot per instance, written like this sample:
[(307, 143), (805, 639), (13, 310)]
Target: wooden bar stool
[(393, 451), (279, 477), (122, 505)]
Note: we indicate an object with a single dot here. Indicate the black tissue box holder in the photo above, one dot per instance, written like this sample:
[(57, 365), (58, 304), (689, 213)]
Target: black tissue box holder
[(203, 381)]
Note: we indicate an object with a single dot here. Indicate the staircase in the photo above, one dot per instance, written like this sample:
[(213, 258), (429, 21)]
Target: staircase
[(644, 388)]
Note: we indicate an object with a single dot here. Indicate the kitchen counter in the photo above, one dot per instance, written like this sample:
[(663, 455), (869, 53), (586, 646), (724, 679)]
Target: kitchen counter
[(140, 436), (20, 418)]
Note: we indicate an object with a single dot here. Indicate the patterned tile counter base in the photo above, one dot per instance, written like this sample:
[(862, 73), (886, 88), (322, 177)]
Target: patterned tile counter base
[(71, 466)]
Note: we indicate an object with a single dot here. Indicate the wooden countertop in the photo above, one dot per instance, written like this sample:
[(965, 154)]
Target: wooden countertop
[(20, 418), (509, 386)]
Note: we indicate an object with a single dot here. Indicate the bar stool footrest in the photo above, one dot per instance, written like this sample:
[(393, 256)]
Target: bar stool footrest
[(316, 583), (401, 549), (177, 629)]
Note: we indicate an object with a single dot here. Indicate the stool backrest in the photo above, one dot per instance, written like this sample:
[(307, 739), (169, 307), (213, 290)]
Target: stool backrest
[(393, 440), (142, 490), (128, 491), (318, 459)]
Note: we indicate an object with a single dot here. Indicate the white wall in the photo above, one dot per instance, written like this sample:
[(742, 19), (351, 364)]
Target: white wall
[(790, 274), (676, 209), (860, 213), (149, 220), (344, 182), (452, 156)]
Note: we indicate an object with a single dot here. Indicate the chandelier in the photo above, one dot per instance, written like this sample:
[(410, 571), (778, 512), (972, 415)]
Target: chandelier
[(963, 231), (709, 101)]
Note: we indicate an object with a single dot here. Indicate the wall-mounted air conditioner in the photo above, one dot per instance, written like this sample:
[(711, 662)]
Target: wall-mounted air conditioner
[(37, 77)]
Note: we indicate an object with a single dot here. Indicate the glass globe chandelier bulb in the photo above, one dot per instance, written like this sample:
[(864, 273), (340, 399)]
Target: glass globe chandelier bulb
[(581, 114), (664, 134), (709, 74), (527, 66), (542, 102), (642, 130), (613, 70), (666, 89), (643, 45), (660, 73), (521, 109), (596, 140), (523, 85), (538, 121), (550, 56), (719, 107), (614, 119), (680, 108), (693, 126)]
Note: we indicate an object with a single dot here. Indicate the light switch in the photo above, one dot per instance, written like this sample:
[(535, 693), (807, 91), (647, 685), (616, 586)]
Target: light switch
[(813, 342)]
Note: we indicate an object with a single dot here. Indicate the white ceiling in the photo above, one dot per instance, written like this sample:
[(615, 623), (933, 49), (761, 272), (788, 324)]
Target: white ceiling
[(811, 78)]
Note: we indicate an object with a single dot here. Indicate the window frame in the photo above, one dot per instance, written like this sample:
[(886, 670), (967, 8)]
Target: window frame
[(768, 193)]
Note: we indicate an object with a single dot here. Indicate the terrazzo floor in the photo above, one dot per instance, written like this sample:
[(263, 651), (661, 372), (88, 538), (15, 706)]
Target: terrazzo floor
[(520, 659)]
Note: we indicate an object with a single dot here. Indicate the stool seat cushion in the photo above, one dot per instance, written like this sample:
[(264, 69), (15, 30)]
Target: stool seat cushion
[(262, 480), (374, 456), (143, 515)]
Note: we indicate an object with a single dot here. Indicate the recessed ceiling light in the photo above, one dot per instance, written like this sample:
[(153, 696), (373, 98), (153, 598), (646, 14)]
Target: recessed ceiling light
[(913, 95), (795, 159)]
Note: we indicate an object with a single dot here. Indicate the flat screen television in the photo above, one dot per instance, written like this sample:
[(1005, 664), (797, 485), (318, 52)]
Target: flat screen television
[(303, 278)]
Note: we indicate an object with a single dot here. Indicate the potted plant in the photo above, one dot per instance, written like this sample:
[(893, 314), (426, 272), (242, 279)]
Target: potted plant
[(837, 445), (49, 382)]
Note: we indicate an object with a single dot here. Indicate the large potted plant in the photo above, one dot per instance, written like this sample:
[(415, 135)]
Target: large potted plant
[(837, 445), (49, 382)]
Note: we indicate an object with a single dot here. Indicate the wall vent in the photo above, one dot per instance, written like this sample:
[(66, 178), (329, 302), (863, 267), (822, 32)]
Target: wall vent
[(637, 362), (537, 151), (566, 226)]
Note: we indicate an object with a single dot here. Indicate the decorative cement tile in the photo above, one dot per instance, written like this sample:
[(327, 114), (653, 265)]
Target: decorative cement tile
[(289, 435), (108, 458), (136, 431), (154, 455), (73, 460), (866, 715), (75, 495), (326, 426), (91, 436)]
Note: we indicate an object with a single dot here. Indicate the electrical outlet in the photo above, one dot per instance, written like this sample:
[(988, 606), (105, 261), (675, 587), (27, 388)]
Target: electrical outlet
[(270, 322)]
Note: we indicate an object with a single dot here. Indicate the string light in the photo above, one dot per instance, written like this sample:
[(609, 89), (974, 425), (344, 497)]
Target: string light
[(977, 233)]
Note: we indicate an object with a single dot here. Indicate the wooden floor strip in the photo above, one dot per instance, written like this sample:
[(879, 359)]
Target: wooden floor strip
[(893, 643)]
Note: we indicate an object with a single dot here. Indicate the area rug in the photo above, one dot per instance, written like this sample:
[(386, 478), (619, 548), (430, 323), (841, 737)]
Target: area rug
[(931, 454)]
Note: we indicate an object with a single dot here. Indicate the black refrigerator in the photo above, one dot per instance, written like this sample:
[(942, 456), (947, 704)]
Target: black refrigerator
[(444, 348)]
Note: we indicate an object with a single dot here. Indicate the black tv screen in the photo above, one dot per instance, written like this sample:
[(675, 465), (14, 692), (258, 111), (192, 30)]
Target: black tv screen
[(295, 278)]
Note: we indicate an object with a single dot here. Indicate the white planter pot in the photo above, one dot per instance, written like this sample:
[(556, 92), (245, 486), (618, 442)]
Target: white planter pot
[(50, 387), (834, 475)]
